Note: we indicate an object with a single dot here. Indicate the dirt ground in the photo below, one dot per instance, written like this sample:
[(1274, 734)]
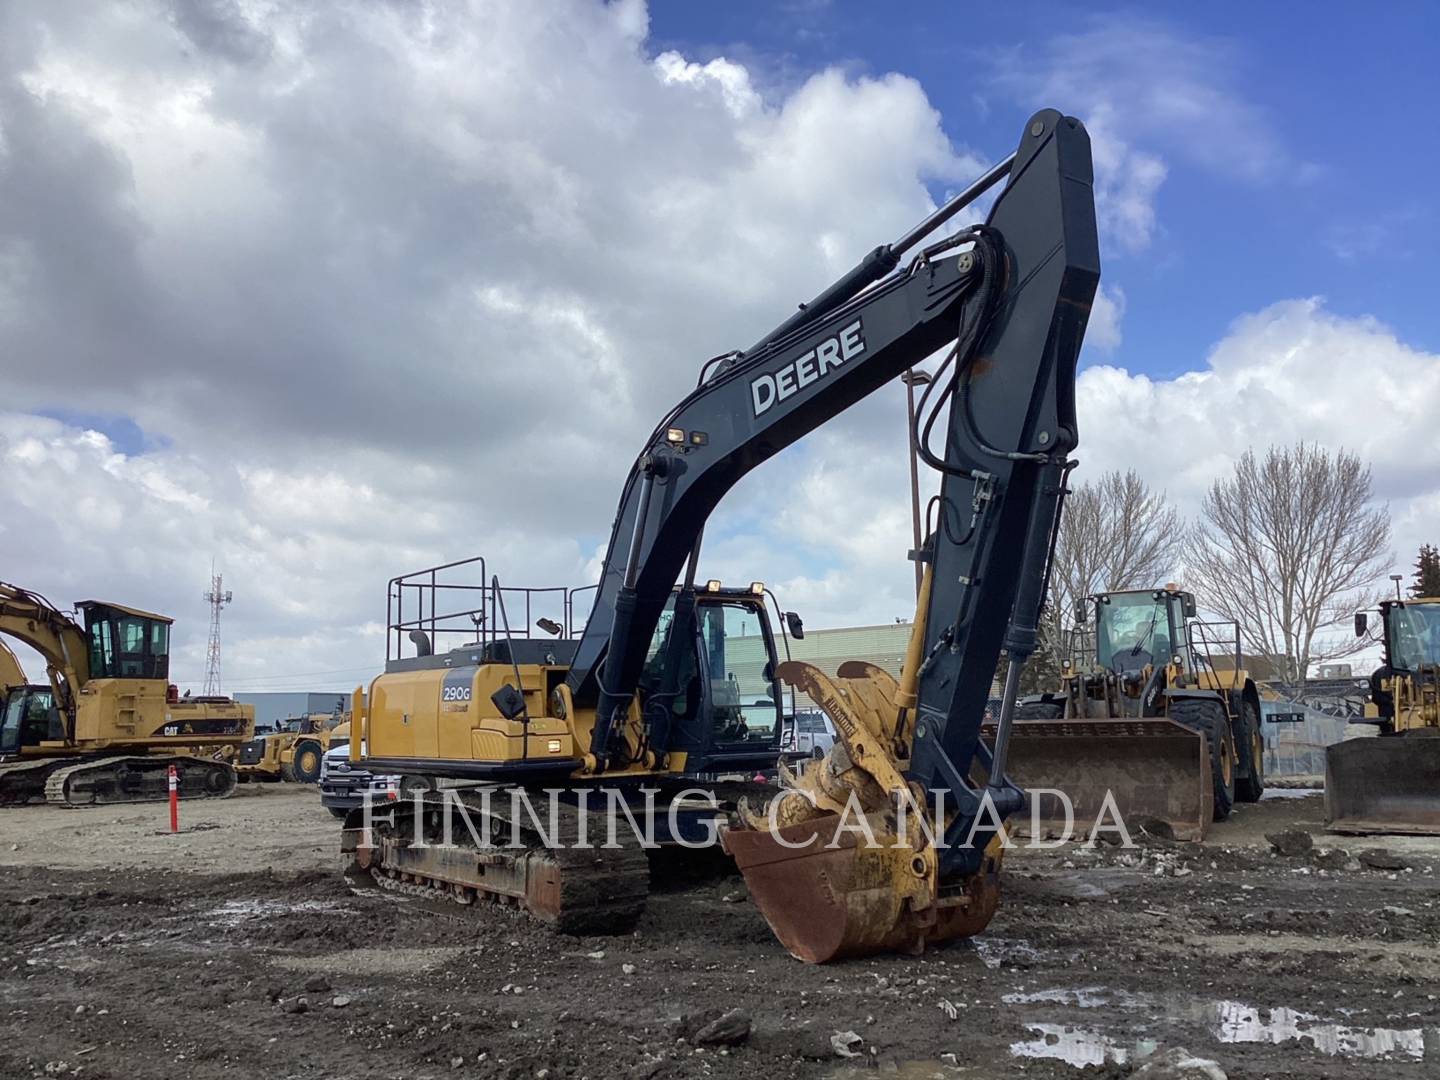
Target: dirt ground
[(234, 949)]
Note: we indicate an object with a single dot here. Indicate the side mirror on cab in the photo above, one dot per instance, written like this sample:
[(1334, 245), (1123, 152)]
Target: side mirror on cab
[(1362, 623), (1082, 612), (795, 625)]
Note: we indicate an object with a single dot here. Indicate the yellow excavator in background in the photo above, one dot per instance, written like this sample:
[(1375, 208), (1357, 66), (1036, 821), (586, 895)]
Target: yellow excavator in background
[(669, 687), (1391, 784), (108, 724), (11, 673), (1154, 709)]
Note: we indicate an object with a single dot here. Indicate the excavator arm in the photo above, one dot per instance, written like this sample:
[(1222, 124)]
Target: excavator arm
[(1008, 302), (28, 617), (1020, 296), (11, 673)]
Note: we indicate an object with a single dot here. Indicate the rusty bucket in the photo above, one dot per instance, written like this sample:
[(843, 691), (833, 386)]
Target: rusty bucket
[(830, 895), (1155, 769)]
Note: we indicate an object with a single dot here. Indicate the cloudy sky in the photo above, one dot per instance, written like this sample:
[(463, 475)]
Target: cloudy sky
[(324, 292)]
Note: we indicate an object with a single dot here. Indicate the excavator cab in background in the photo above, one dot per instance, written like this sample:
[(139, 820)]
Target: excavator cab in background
[(1391, 784), (1154, 710), (109, 724)]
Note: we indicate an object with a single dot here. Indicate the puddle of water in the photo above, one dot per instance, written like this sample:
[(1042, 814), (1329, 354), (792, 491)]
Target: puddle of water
[(235, 912), (1241, 1023), (1076, 1046), (1291, 793), (995, 952), (1083, 997)]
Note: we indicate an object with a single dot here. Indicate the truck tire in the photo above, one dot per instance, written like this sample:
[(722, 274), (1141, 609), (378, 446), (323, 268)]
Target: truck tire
[(1249, 754), (409, 784), (1208, 717), (305, 765), (338, 811)]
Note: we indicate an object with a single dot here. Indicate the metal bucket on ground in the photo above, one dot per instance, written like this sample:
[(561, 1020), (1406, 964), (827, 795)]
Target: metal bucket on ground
[(1389, 784), (1155, 770)]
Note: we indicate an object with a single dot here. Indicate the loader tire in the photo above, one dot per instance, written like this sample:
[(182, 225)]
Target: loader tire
[(1249, 754), (305, 767), (1209, 718)]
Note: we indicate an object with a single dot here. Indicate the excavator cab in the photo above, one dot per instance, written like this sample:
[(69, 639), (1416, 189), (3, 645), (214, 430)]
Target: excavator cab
[(30, 718), (726, 711), (126, 643)]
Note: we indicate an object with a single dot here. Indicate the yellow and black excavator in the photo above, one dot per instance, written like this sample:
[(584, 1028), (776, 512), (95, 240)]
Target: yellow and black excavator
[(108, 724), (669, 686), (1155, 712), (1391, 784)]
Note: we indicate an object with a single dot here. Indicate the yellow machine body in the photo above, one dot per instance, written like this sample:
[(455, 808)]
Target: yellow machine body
[(1391, 784), (1167, 744), (109, 723)]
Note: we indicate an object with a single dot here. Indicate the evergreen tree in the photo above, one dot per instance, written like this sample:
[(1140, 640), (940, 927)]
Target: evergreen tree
[(1427, 572)]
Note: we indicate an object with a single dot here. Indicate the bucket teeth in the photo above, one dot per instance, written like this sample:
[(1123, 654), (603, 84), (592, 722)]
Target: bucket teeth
[(829, 893), (824, 861)]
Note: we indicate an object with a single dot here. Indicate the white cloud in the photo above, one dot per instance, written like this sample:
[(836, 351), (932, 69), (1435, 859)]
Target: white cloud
[(1147, 94), (1103, 330), (390, 284), (403, 284)]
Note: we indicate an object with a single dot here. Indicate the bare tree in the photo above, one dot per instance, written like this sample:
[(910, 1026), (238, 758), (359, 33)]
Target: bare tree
[(1116, 533), (1287, 545)]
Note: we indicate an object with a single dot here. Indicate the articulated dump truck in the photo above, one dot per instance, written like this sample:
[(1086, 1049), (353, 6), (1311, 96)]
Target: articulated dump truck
[(1391, 784), (1149, 723)]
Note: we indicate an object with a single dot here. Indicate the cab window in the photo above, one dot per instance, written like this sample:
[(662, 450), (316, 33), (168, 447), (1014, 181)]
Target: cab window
[(124, 646), (687, 683), (737, 660)]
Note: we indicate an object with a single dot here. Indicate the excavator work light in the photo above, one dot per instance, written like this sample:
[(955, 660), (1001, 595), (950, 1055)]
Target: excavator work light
[(675, 435), (713, 585), (758, 588)]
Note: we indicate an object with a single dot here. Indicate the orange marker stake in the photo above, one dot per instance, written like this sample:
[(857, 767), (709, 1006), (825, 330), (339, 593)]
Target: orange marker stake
[(174, 780)]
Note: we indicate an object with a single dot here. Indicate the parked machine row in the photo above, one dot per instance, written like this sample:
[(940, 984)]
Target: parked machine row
[(673, 683)]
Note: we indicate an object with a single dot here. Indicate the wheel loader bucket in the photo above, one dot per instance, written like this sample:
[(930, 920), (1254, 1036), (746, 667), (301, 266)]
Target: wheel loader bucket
[(829, 896), (1154, 770), (1389, 784)]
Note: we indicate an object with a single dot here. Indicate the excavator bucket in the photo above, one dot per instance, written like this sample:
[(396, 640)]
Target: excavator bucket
[(1152, 769), (1389, 784), (830, 894)]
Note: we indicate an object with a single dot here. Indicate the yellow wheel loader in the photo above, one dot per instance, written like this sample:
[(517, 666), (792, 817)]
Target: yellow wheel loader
[(1154, 714), (292, 754), (108, 724), (586, 748), (1391, 784)]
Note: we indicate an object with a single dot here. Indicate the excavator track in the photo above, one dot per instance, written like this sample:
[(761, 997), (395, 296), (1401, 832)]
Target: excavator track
[(137, 778), (574, 889), (24, 781)]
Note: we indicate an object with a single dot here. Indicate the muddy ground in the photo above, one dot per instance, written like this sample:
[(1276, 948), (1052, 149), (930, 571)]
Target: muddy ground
[(235, 950)]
